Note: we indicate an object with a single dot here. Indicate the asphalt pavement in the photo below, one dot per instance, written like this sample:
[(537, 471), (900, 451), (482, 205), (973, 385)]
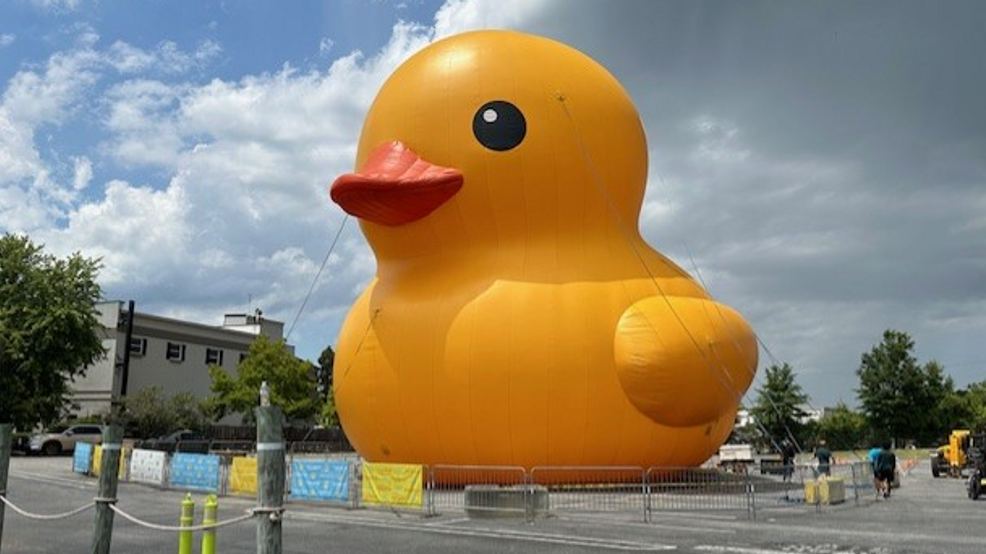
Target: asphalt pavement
[(924, 516)]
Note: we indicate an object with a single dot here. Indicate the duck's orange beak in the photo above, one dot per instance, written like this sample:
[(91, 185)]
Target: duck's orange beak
[(395, 186)]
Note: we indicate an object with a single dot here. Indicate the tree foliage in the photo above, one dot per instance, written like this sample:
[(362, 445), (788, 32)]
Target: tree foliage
[(900, 398), (963, 409), (148, 413), (328, 415), (844, 428), (48, 329), (778, 409), (974, 401), (291, 381)]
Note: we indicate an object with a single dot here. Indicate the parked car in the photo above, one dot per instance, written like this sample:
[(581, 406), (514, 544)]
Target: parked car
[(55, 443), (183, 440)]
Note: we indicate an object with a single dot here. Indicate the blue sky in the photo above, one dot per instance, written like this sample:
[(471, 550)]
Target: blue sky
[(821, 166)]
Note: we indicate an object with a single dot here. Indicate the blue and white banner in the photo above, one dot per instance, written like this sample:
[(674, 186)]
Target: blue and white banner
[(195, 471), (320, 479), (147, 466), (81, 460)]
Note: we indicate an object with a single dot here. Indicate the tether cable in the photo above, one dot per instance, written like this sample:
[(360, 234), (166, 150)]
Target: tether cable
[(621, 224), (318, 274)]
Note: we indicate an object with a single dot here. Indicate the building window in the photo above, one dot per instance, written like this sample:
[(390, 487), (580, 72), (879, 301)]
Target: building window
[(213, 356), (138, 346), (176, 352)]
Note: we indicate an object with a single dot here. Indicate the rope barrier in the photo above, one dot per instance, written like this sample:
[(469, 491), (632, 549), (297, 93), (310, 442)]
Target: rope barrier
[(44, 517), (175, 528)]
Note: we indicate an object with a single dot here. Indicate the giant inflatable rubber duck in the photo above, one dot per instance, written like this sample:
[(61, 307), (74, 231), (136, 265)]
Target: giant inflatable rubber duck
[(517, 317)]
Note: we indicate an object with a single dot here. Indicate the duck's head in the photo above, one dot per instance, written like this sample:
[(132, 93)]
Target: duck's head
[(495, 138)]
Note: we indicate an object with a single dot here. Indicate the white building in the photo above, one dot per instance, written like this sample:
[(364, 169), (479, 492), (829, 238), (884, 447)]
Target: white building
[(172, 354)]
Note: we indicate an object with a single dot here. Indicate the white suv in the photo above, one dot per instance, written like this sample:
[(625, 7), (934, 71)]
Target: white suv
[(53, 444)]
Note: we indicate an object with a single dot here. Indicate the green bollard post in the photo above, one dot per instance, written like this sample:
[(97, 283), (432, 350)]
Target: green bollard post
[(209, 518), (187, 520)]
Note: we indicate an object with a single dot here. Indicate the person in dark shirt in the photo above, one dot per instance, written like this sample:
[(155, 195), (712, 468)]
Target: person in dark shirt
[(886, 467), (824, 456), (787, 458)]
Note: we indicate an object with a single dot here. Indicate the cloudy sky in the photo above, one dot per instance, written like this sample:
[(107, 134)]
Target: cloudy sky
[(820, 165)]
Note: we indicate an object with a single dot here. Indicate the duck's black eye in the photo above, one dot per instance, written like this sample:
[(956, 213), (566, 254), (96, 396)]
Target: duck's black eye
[(499, 125)]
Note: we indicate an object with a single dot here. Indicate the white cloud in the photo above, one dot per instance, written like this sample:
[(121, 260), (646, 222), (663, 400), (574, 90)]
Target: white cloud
[(82, 172), (33, 98), (18, 158), (142, 124), (166, 58), (23, 209), (129, 59), (141, 234), (6, 39), (246, 211), (32, 196), (457, 16), (57, 5)]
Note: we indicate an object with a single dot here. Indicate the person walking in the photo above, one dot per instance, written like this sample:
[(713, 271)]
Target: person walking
[(824, 457), (787, 458), (886, 467), (871, 456)]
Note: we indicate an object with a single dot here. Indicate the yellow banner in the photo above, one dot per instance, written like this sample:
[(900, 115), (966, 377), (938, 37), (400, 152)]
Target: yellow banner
[(243, 475), (392, 484), (97, 461)]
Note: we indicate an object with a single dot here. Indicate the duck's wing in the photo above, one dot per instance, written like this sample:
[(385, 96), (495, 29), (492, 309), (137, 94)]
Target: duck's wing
[(684, 361)]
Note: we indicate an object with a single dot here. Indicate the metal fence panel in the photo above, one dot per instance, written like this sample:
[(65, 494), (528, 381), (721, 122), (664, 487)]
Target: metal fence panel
[(477, 490), (697, 489), (593, 489)]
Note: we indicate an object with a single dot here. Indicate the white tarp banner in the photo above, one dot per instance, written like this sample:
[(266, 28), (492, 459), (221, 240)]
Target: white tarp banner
[(147, 466)]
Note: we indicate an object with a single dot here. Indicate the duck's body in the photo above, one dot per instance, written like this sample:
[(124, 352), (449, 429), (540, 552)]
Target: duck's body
[(517, 317)]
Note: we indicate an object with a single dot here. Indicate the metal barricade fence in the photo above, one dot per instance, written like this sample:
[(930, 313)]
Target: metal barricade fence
[(776, 487), (593, 489), (697, 489), (478, 490), (862, 482)]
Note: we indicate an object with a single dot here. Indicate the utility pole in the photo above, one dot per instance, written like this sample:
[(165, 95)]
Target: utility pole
[(129, 334)]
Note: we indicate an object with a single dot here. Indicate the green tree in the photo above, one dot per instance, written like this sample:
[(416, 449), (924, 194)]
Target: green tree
[(48, 329), (843, 428), (778, 410), (942, 408), (144, 413), (147, 413), (975, 398), (326, 363), (900, 398), (328, 415), (964, 409), (291, 381)]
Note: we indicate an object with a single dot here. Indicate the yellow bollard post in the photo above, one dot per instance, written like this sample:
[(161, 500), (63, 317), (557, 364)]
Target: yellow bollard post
[(187, 520), (208, 518)]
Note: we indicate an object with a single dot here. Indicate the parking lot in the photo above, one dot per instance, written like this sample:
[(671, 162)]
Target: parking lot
[(925, 515)]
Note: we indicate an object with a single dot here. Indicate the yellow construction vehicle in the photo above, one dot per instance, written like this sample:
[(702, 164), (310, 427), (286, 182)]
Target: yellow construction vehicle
[(952, 458)]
